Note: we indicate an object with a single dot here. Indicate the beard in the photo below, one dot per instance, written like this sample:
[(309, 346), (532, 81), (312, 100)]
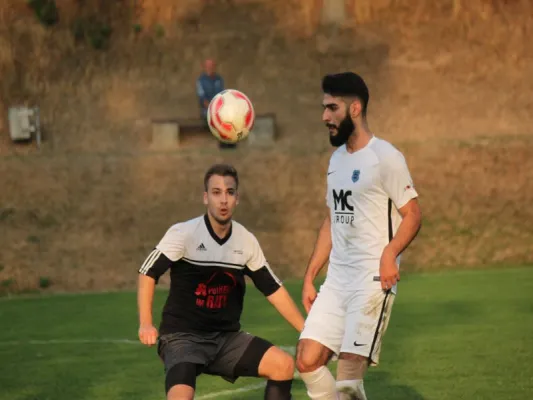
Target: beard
[(222, 220), (344, 130)]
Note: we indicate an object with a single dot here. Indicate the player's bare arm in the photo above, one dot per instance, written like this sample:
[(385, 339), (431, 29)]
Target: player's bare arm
[(282, 301), (145, 296), (316, 263), (407, 231)]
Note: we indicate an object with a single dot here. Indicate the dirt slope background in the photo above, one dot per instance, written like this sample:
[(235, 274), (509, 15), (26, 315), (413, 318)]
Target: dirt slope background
[(451, 86)]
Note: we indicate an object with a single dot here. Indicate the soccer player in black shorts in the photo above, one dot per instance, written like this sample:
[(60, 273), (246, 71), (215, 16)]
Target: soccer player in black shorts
[(200, 332)]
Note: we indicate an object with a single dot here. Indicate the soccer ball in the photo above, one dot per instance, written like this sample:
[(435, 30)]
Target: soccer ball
[(230, 116)]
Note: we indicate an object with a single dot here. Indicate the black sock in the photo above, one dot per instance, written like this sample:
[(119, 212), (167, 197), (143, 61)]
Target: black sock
[(278, 390)]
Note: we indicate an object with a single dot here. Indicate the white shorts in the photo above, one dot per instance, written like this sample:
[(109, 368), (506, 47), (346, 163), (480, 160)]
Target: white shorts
[(350, 322)]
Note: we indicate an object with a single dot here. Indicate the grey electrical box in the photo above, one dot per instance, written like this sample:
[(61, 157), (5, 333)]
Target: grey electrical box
[(24, 124)]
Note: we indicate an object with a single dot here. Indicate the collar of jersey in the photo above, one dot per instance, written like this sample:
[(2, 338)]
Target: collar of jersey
[(220, 241), (345, 148)]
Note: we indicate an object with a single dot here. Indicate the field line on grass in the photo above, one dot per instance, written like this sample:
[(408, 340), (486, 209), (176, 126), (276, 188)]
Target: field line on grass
[(70, 341), (228, 392), (244, 389), (288, 349)]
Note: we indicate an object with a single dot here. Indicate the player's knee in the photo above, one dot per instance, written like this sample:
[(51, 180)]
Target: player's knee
[(286, 368), (282, 366), (307, 361), (311, 355), (180, 381), (180, 392)]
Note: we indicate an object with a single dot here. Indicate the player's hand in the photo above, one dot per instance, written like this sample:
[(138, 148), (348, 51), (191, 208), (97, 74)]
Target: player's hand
[(308, 295), (148, 335), (389, 273)]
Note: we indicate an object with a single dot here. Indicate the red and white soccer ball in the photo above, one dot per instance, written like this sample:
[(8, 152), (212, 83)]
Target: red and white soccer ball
[(230, 116)]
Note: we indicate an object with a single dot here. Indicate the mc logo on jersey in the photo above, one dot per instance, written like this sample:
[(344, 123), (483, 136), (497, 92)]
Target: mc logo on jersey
[(341, 199), (343, 209), (355, 175)]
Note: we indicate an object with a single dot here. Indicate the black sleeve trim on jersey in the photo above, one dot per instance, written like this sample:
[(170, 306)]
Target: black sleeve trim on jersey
[(389, 212), (263, 280), (155, 265)]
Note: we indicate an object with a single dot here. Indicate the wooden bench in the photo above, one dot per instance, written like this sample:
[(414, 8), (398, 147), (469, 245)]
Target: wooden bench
[(166, 131)]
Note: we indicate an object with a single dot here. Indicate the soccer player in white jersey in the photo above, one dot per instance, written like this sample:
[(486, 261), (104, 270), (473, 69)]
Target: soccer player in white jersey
[(373, 216), (209, 257)]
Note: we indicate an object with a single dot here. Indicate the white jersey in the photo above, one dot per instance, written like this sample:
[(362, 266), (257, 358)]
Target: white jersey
[(365, 189)]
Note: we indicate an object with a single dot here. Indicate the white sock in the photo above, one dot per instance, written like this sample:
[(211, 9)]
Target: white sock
[(352, 389), (320, 384)]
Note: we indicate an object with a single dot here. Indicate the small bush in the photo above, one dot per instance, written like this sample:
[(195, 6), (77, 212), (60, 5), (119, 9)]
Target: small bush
[(44, 282), (137, 28), (45, 11), (92, 31), (6, 286), (33, 239), (159, 31)]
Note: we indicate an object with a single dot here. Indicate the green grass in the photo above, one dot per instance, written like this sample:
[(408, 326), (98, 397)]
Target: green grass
[(453, 335)]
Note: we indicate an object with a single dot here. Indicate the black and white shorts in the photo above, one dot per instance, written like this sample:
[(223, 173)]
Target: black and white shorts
[(350, 321), (226, 354)]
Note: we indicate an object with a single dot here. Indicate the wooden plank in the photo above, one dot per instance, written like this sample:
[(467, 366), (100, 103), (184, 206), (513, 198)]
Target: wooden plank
[(166, 131)]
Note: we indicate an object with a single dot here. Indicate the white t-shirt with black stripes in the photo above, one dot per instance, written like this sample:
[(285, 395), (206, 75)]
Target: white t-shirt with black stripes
[(365, 189), (207, 275)]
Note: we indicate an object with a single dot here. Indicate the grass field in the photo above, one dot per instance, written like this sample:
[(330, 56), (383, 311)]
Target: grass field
[(453, 335)]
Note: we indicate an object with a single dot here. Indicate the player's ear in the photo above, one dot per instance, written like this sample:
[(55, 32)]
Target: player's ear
[(236, 198), (205, 198), (355, 108)]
